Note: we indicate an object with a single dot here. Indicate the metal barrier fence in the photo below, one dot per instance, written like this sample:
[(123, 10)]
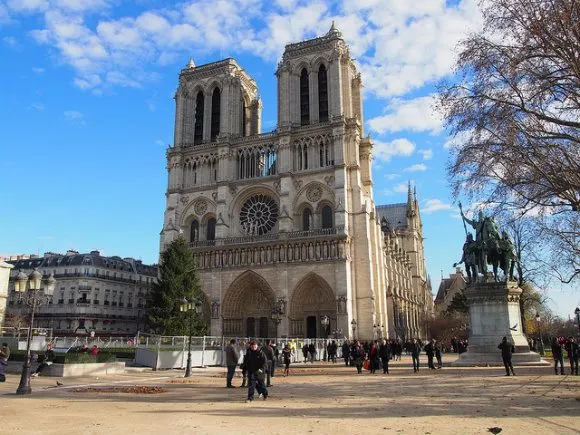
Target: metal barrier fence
[(209, 345)]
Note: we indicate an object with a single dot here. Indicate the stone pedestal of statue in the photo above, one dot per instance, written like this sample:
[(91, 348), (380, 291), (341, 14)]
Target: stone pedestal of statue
[(494, 312)]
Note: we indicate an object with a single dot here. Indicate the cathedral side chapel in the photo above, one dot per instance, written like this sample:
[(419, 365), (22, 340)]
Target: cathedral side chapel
[(283, 224)]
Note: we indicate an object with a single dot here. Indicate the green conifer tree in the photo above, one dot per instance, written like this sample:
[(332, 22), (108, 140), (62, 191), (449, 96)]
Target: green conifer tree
[(178, 279)]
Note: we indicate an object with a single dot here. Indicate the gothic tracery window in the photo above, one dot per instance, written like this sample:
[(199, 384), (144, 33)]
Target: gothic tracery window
[(322, 94), (198, 128), (210, 229), (307, 219), (259, 215), (215, 114), (326, 217), (304, 98), (194, 231)]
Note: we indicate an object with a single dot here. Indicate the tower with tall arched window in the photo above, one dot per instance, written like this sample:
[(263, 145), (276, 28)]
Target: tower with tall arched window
[(285, 221)]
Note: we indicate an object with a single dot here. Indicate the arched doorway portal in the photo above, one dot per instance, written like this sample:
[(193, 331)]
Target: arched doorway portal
[(247, 307), (312, 299)]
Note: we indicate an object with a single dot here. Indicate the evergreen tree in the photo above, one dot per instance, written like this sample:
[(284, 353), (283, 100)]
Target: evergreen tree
[(178, 279)]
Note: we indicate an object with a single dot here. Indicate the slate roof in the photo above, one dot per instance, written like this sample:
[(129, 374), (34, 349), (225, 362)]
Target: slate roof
[(396, 214), (94, 258), (443, 287)]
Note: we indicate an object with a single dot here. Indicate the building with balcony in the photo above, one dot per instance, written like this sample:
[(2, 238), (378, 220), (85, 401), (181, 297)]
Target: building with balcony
[(286, 220), (106, 295)]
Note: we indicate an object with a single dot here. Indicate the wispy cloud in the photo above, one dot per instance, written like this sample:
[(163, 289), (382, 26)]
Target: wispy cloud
[(36, 106), (38, 70), (427, 154), (10, 41), (434, 205), (74, 117), (416, 168), (416, 114)]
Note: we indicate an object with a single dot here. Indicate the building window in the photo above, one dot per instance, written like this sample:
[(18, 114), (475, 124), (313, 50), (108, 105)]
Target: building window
[(198, 128), (307, 219), (210, 230), (326, 217), (304, 98), (258, 161), (194, 231), (215, 114), (322, 94)]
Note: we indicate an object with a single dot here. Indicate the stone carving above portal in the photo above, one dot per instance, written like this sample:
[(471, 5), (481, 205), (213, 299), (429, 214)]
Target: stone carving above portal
[(329, 180), (184, 199), (314, 194), (341, 304), (200, 207), (215, 310)]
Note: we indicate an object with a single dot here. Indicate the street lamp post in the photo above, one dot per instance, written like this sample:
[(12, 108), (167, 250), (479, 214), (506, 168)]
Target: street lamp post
[(577, 312), (34, 301), (190, 307), (540, 333), (353, 326), (324, 321), (276, 317)]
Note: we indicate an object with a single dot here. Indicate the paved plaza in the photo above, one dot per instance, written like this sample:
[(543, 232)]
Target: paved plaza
[(316, 398)]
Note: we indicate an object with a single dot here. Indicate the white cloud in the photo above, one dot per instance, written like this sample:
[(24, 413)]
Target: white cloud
[(37, 106), (28, 5), (10, 41), (391, 177), (414, 115), (38, 70), (434, 205), (427, 154), (401, 188), (416, 168), (384, 151), (4, 15), (73, 115)]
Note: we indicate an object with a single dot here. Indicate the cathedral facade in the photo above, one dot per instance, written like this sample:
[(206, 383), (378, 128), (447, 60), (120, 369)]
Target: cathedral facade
[(283, 225)]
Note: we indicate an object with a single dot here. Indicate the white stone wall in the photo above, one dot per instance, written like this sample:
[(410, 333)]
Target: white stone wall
[(4, 276)]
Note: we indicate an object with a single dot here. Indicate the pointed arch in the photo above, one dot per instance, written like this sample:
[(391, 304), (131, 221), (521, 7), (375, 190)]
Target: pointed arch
[(247, 306), (311, 299)]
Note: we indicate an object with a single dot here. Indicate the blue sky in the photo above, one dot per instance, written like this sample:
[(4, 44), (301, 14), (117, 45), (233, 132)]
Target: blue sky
[(86, 109)]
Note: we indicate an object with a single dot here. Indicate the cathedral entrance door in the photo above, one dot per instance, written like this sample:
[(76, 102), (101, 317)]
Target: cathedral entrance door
[(250, 327), (311, 327), (263, 327)]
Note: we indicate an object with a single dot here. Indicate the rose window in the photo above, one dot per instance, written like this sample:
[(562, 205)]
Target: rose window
[(259, 215)]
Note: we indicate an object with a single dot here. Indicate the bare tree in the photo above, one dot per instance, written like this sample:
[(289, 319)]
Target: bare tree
[(516, 107)]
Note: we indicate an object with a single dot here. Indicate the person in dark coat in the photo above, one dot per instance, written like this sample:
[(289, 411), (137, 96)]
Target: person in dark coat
[(573, 353), (312, 352), (332, 348), (374, 357), (430, 352), (506, 355), (255, 364), (437, 346), (305, 352), (269, 353), (345, 352), (415, 349), (46, 361), (557, 355), (385, 356)]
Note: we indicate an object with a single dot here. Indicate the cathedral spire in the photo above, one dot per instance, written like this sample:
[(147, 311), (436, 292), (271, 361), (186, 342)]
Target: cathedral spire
[(411, 211), (334, 31), (190, 64)]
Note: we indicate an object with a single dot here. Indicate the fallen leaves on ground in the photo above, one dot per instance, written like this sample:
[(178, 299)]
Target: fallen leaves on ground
[(133, 389)]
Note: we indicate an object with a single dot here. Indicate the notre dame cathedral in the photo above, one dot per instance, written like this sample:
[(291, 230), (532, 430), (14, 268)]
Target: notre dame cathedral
[(283, 225)]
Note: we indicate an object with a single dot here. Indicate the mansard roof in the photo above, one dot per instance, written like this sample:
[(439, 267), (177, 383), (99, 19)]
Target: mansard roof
[(94, 258), (395, 214), (443, 287)]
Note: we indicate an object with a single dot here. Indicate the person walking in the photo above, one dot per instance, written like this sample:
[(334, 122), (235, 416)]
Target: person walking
[(255, 363), (438, 356), (573, 350), (415, 349), (558, 356), (312, 352), (374, 357), (286, 356), (332, 348), (345, 352), (430, 352), (506, 355), (244, 369), (269, 353), (385, 356), (232, 358), (305, 352), (48, 360), (4, 355)]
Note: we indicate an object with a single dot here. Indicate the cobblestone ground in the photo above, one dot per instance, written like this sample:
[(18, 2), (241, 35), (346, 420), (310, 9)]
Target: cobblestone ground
[(317, 398)]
